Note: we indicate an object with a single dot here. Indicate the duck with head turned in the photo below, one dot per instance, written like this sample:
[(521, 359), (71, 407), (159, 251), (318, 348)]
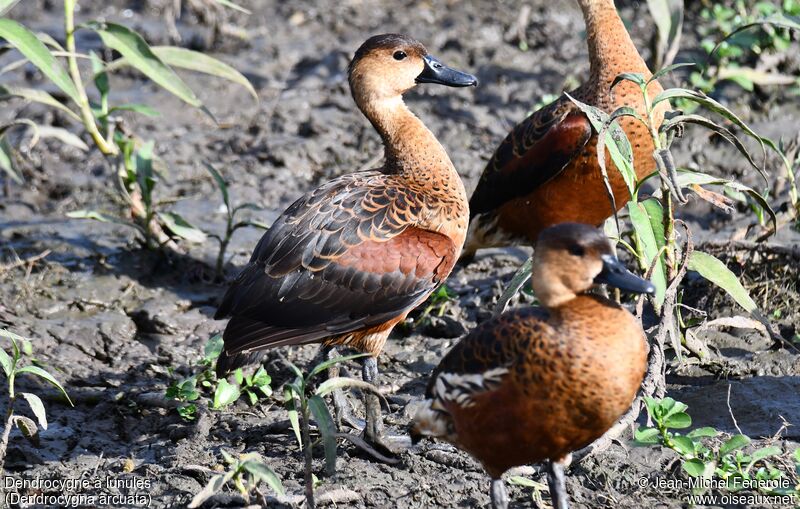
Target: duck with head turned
[(346, 262), (546, 171), (537, 383)]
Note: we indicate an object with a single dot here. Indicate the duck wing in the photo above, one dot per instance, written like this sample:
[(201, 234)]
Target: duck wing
[(342, 258), (534, 152), (480, 360)]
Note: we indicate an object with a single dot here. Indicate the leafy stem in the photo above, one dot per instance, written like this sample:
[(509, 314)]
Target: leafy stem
[(87, 116)]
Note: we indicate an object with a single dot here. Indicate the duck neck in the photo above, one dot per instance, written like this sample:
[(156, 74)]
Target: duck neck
[(611, 50), (409, 146)]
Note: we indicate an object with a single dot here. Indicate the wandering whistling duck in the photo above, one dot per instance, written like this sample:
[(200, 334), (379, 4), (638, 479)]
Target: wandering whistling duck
[(546, 172), (537, 383), (348, 261)]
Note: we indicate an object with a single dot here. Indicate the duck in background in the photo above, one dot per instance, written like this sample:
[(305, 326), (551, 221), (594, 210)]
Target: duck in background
[(546, 172)]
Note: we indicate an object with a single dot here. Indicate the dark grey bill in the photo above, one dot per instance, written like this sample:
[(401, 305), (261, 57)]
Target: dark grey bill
[(437, 72), (615, 274)]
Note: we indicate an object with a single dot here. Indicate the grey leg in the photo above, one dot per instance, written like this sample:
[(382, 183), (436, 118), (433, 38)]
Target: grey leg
[(558, 485), (373, 430), (498, 494)]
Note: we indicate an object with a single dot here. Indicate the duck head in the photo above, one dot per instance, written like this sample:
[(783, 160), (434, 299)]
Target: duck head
[(388, 65), (571, 258)]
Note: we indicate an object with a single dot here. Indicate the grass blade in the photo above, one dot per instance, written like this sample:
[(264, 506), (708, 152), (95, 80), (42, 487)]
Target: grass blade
[(37, 407), (322, 366), (37, 371), (39, 96), (340, 382), (34, 50), (63, 136), (138, 53), (262, 472), (712, 269), (327, 429), (7, 161), (643, 227), (200, 62), (181, 227), (231, 5), (223, 187), (294, 419)]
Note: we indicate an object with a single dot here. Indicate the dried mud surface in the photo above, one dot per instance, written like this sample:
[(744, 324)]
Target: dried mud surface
[(117, 324)]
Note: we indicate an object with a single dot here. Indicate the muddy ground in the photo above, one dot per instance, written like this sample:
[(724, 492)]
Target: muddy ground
[(118, 324)]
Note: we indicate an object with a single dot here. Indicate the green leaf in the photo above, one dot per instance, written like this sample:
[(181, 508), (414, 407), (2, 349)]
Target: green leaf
[(223, 187), (709, 103), (614, 140), (213, 347), (646, 436), (34, 50), (37, 407), (28, 428), (712, 269), (339, 382), (139, 55), (200, 62), (288, 400), (98, 216), (524, 481), (214, 485), (6, 5), (225, 394), (322, 366), (668, 69), (702, 432), (64, 136), (6, 362), (683, 445), (734, 443), (678, 420), (37, 371), (7, 161), (765, 452), (262, 472), (327, 429), (137, 108), (181, 227), (712, 126), (694, 467), (39, 96), (643, 227), (238, 376), (635, 77), (144, 173)]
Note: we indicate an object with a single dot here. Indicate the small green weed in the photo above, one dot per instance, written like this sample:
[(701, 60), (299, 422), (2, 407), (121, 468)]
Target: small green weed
[(12, 368), (245, 473)]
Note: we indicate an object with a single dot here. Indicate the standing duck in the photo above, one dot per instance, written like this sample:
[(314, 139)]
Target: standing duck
[(347, 262), (537, 383), (546, 172)]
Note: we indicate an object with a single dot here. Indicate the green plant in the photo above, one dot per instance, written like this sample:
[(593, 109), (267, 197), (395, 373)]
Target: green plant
[(734, 49), (710, 454), (302, 401), (12, 368), (136, 169), (222, 393), (245, 473), (231, 225)]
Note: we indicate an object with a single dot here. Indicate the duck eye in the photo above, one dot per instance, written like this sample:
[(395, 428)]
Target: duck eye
[(576, 250), (399, 55)]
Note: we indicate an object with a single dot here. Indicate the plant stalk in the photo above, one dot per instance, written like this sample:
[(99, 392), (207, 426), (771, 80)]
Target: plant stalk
[(6, 433), (307, 455), (87, 116)]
